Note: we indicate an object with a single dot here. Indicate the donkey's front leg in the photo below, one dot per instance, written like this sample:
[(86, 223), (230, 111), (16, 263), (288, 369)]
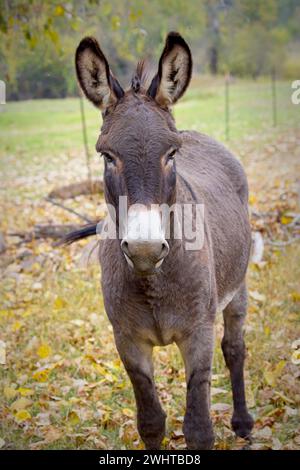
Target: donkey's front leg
[(137, 359), (197, 352)]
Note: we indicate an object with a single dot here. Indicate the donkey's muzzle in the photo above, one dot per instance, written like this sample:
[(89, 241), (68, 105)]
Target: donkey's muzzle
[(145, 256)]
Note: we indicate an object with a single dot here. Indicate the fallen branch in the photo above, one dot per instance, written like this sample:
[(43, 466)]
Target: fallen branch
[(78, 189), (280, 243), (68, 209), (56, 232)]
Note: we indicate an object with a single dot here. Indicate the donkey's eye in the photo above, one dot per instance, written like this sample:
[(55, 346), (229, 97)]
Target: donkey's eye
[(171, 156), (108, 158)]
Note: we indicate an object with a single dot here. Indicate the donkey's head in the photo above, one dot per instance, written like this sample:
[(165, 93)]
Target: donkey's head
[(138, 141)]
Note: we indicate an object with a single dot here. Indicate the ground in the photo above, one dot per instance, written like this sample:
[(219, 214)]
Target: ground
[(62, 383)]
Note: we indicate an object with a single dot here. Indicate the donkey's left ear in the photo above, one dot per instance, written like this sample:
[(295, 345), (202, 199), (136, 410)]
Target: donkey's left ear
[(174, 71)]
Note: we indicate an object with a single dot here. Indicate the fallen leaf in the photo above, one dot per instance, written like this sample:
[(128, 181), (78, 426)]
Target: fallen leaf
[(59, 303), (257, 296), (44, 351), (25, 392), (16, 326), (9, 393), (295, 296), (73, 418), (43, 419), (22, 415), (128, 412), (296, 357), (2, 353), (276, 444), (271, 375), (285, 220), (41, 375), (217, 391), (264, 433), (220, 407), (20, 404)]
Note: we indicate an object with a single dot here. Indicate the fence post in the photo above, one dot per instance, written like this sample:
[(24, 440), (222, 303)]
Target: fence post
[(85, 139), (227, 116), (274, 98)]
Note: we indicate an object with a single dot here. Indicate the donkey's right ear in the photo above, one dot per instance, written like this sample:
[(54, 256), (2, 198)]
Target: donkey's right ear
[(94, 75)]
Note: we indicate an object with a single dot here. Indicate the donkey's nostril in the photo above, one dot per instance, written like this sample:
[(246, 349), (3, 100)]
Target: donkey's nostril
[(125, 247), (164, 249), (144, 255)]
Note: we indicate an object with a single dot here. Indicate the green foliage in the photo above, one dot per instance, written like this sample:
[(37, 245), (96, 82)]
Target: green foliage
[(38, 38)]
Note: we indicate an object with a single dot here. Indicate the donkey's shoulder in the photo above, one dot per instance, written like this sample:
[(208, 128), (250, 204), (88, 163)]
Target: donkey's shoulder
[(203, 155)]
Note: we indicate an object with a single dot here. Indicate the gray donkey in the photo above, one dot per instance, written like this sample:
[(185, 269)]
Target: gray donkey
[(156, 290)]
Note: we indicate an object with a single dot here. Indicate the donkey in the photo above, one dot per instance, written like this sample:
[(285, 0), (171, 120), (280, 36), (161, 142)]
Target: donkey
[(156, 291)]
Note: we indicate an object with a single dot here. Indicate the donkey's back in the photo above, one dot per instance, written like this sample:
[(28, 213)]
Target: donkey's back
[(216, 179)]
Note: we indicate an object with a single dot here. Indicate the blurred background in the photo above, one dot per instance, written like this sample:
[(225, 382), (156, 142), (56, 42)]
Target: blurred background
[(61, 382), (247, 38)]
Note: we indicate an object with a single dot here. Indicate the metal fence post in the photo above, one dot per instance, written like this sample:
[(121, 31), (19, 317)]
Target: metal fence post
[(274, 98), (227, 115), (85, 139)]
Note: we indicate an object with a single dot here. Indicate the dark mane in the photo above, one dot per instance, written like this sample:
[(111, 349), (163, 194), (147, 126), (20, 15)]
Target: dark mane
[(142, 76)]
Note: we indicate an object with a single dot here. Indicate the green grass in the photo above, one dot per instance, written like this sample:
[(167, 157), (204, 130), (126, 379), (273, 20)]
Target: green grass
[(45, 129)]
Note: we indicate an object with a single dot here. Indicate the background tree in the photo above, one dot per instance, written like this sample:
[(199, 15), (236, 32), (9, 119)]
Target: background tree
[(245, 37)]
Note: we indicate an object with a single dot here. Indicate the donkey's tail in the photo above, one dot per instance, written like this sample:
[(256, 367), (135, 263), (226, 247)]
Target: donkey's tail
[(83, 232)]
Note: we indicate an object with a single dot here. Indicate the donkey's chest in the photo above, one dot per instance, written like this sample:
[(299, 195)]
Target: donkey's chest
[(159, 316)]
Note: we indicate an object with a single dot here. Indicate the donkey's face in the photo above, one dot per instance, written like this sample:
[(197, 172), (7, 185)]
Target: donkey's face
[(139, 142)]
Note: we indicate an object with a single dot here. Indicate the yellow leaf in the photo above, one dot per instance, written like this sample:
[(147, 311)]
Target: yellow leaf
[(41, 375), (271, 376), (285, 220), (279, 367), (20, 404), (25, 392), (295, 296), (267, 330), (128, 412), (101, 370), (9, 392), (16, 326), (22, 415), (59, 303), (73, 418), (252, 199), (44, 351), (26, 313), (59, 11)]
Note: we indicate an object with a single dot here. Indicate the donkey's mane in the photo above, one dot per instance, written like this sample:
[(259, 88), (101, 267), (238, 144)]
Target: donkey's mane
[(142, 77)]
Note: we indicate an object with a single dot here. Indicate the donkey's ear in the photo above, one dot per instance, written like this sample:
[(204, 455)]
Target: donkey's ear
[(94, 75), (174, 71)]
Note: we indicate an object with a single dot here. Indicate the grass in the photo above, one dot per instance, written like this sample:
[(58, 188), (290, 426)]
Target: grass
[(47, 129), (63, 385)]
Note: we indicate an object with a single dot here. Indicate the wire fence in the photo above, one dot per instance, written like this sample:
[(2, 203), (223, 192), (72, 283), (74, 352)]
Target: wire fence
[(230, 108)]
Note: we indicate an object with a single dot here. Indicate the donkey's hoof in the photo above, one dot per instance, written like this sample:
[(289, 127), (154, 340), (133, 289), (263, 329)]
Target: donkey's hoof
[(242, 424), (200, 444), (200, 440)]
